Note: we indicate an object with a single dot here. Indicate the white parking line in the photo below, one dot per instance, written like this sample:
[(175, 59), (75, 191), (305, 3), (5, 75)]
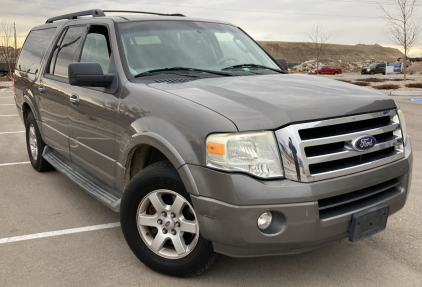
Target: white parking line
[(6, 97), (12, 132), (7, 104), (59, 232), (14, 163), (8, 115)]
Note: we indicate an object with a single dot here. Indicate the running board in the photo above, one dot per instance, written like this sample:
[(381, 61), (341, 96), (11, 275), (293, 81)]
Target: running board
[(94, 187)]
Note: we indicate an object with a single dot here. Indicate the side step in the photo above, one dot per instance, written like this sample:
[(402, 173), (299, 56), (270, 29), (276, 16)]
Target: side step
[(94, 187)]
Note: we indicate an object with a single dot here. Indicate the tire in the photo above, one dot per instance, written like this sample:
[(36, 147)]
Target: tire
[(335, 73), (372, 73), (136, 205), (35, 145)]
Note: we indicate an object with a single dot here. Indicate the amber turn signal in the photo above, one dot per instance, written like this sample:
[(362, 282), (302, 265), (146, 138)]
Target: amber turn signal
[(215, 148)]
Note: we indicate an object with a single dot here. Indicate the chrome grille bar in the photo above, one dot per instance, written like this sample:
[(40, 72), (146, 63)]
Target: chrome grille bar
[(297, 162)]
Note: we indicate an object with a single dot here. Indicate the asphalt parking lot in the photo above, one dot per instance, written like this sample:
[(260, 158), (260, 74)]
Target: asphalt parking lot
[(34, 203)]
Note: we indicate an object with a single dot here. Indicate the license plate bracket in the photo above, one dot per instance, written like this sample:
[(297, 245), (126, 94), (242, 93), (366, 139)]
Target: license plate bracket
[(368, 222)]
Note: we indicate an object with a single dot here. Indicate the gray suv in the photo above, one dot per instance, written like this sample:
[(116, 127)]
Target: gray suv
[(203, 142)]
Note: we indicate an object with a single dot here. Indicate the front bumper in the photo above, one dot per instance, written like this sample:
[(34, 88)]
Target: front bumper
[(228, 206)]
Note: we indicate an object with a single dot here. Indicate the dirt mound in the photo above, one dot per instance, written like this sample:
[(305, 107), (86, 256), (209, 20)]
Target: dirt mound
[(298, 52)]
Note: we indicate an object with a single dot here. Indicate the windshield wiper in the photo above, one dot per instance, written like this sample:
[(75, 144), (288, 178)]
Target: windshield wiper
[(254, 66), (182, 69)]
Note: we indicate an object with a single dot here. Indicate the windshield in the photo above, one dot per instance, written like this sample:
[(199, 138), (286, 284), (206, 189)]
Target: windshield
[(373, 66), (150, 45)]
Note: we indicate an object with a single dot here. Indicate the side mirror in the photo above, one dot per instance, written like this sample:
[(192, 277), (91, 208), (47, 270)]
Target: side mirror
[(283, 64), (89, 75)]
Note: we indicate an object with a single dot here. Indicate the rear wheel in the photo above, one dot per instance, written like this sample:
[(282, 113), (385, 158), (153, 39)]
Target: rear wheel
[(160, 224), (35, 145), (335, 73)]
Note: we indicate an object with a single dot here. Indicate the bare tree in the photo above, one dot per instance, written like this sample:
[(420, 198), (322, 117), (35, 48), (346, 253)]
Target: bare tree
[(6, 44), (318, 40), (403, 30)]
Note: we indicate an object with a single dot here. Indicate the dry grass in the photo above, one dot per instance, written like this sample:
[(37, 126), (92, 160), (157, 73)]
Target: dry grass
[(414, 85), (372, 80), (387, 87), (362, 84), (400, 80)]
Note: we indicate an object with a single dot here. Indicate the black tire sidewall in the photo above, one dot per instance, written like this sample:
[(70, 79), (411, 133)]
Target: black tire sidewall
[(36, 164), (146, 181)]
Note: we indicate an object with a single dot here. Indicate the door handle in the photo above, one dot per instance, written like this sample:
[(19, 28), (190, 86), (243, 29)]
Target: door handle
[(74, 99), (41, 89)]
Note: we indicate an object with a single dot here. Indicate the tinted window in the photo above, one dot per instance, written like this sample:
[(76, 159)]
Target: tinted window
[(34, 49), (66, 51), (96, 48)]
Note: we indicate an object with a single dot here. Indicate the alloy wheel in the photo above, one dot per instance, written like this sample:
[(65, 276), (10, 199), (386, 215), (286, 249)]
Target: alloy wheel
[(167, 224)]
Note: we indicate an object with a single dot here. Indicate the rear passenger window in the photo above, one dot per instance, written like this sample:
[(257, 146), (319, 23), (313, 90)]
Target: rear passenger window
[(97, 47), (34, 49), (64, 53)]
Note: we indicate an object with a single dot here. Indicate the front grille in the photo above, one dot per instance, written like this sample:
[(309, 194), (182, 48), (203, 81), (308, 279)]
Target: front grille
[(324, 149), (342, 129), (350, 202)]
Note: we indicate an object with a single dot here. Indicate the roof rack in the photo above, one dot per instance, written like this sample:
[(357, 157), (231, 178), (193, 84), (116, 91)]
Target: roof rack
[(100, 13), (94, 13), (142, 12)]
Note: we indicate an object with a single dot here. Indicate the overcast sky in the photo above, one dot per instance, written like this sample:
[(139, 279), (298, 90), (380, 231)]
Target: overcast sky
[(347, 21)]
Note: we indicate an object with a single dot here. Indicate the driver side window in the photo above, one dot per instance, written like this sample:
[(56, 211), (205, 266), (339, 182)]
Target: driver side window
[(96, 48)]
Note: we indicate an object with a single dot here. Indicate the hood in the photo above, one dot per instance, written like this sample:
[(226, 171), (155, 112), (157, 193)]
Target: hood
[(272, 101)]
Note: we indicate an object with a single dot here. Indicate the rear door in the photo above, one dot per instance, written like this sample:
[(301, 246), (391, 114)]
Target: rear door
[(53, 90), (92, 120)]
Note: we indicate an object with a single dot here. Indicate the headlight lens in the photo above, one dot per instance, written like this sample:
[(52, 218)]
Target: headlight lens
[(403, 125), (255, 153)]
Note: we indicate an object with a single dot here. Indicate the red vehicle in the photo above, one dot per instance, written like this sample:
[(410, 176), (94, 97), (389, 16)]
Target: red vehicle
[(325, 70)]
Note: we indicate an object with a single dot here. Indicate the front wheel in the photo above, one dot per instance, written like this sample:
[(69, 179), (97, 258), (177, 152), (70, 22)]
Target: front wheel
[(160, 224), (372, 73)]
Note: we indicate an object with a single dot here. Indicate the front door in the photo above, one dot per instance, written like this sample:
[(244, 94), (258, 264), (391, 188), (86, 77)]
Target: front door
[(92, 116), (53, 97)]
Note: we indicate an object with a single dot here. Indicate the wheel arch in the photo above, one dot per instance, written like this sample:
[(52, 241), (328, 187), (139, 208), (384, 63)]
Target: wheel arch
[(145, 145), (28, 102)]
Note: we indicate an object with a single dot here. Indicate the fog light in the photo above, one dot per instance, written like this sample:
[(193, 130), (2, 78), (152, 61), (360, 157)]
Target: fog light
[(264, 221)]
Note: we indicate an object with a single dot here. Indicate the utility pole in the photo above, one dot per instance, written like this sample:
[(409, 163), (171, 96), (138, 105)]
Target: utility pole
[(14, 53)]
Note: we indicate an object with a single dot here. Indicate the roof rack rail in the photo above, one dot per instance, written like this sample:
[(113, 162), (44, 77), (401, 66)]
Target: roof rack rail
[(100, 13), (142, 12), (93, 13)]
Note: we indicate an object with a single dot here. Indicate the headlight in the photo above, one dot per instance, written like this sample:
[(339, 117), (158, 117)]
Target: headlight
[(254, 153), (368, 70), (402, 125)]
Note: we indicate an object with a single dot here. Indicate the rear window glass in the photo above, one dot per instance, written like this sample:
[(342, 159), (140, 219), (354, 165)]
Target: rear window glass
[(34, 49)]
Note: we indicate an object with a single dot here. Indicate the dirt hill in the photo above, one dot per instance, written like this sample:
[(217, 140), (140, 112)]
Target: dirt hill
[(297, 52)]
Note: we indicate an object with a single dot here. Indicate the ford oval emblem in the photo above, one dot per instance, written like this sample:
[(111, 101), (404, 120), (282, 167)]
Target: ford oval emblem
[(364, 142)]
